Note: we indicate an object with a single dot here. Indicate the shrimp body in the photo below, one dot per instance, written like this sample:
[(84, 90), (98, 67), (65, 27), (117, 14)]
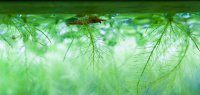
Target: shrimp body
[(90, 20)]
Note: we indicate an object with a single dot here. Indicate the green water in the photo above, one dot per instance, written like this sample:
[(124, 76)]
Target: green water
[(125, 54)]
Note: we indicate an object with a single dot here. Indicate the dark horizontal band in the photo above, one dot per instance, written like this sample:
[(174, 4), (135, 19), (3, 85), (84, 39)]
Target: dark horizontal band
[(110, 6)]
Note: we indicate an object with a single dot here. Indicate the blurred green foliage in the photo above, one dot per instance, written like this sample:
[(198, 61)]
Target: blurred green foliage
[(124, 54)]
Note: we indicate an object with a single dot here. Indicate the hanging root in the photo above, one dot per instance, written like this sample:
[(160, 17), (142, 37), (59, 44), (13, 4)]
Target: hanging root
[(44, 34), (92, 42), (188, 33), (175, 67), (150, 56), (68, 49), (195, 43)]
